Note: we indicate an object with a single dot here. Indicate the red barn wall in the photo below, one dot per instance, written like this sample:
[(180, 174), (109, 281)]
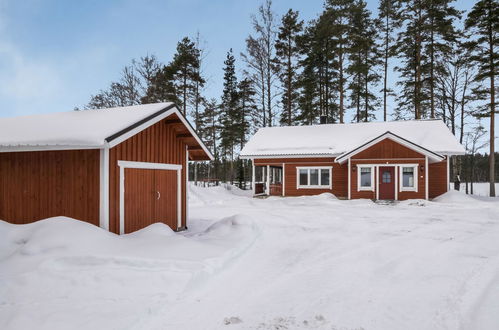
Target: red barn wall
[(156, 144), (437, 175), (41, 184)]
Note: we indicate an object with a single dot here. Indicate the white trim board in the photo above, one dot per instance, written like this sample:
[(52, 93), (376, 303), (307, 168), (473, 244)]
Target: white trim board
[(104, 189), (253, 157), (143, 165)]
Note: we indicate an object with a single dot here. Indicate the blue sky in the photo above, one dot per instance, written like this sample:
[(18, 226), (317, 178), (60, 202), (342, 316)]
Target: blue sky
[(55, 53)]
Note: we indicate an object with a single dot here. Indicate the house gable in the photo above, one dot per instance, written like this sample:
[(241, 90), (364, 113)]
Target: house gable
[(432, 156), (387, 148)]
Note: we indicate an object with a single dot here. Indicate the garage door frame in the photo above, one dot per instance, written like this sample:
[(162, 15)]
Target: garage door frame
[(152, 166)]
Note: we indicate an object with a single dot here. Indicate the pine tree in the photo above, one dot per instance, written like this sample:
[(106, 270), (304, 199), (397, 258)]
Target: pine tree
[(186, 66), (229, 111), (246, 110), (363, 59), (162, 87), (388, 22), (483, 23), (411, 98), (439, 15), (339, 12), (287, 54)]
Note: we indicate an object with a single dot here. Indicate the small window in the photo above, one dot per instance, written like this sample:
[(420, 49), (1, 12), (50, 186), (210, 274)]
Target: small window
[(314, 177), (408, 177), (303, 177), (387, 177), (365, 177)]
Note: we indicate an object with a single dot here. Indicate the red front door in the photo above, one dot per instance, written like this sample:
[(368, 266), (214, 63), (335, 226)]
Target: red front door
[(386, 182)]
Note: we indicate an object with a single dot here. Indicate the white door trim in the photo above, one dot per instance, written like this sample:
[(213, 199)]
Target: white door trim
[(153, 166)]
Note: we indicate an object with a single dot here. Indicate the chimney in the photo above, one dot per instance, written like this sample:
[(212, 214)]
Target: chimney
[(323, 119)]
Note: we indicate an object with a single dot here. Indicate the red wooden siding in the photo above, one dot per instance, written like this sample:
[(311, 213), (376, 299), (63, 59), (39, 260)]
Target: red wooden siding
[(437, 175), (42, 184), (339, 175), (160, 143), (387, 149)]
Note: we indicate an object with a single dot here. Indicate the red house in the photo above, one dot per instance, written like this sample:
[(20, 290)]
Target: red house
[(121, 169), (380, 160)]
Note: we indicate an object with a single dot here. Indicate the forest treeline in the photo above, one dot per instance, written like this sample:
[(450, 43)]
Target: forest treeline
[(335, 68)]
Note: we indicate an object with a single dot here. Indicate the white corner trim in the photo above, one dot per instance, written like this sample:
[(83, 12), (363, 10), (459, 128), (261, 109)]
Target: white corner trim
[(329, 185), (415, 174), (367, 188), (104, 189), (448, 173), (376, 168), (253, 175), (349, 179), (186, 187), (396, 169), (426, 178), (144, 165), (283, 179)]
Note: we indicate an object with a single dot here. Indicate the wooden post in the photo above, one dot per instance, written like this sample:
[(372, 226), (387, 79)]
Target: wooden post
[(253, 176), (267, 186)]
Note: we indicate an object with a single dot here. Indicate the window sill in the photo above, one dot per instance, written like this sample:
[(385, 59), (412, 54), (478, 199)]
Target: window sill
[(314, 187)]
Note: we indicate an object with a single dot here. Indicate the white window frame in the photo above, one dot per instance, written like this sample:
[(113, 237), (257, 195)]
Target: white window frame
[(329, 185), (359, 187), (415, 177)]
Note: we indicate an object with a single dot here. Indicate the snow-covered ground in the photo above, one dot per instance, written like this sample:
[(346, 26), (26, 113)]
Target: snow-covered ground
[(479, 188), (275, 263)]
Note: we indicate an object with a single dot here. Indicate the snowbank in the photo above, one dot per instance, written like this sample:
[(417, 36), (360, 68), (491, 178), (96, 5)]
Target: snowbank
[(453, 196)]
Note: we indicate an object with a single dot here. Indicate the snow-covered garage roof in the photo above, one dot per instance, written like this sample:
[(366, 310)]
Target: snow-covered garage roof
[(84, 129), (338, 139)]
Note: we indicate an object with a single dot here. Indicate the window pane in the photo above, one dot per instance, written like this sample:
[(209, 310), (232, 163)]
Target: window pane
[(387, 177), (324, 177), (408, 177), (304, 177), (314, 177), (365, 176)]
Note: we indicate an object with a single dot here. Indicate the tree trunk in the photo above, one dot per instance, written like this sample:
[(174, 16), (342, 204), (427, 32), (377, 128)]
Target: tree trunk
[(340, 63), (385, 78), (492, 106)]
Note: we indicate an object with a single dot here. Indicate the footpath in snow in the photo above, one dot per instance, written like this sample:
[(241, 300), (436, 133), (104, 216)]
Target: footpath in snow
[(275, 263)]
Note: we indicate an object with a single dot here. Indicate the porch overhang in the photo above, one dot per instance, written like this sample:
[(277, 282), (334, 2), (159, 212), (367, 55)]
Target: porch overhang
[(433, 157)]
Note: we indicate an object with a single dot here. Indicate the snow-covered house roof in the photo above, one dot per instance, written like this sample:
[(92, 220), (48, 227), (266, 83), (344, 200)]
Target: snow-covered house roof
[(339, 139), (84, 129)]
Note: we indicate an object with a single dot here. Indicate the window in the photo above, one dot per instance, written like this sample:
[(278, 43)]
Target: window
[(408, 178), (365, 178), (303, 177), (387, 177), (314, 177)]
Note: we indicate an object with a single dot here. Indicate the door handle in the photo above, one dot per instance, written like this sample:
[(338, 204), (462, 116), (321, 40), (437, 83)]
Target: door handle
[(158, 195)]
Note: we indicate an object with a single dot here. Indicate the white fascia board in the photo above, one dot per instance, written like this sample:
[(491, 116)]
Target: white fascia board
[(48, 148), (274, 156), (388, 135)]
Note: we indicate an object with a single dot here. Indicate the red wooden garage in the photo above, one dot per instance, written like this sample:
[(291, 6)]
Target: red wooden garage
[(120, 168), (378, 160)]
